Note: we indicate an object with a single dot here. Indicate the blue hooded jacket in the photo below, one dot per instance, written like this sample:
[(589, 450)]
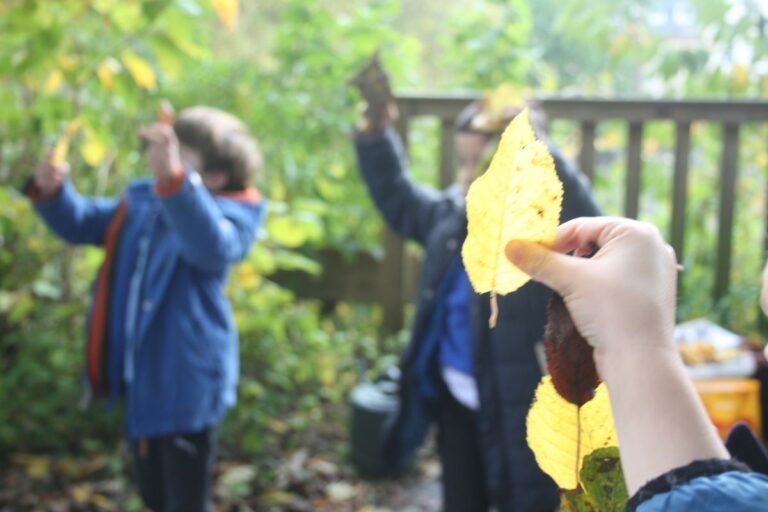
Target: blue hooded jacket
[(170, 344)]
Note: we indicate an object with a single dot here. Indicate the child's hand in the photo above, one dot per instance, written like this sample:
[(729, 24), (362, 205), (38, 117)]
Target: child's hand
[(49, 176), (622, 299), (376, 119), (163, 150)]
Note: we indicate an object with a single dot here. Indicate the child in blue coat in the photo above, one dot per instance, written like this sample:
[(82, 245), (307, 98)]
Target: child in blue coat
[(160, 332)]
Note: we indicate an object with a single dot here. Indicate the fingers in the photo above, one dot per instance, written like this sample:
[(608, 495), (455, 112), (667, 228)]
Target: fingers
[(157, 133), (584, 231), (551, 268)]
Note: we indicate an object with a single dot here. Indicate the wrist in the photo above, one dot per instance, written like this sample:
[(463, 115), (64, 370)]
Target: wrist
[(40, 190), (617, 364), (170, 183)]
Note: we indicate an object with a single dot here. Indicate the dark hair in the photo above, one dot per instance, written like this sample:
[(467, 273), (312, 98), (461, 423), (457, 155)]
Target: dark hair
[(223, 142)]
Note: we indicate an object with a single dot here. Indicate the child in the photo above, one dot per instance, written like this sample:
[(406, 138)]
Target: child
[(622, 300), (161, 333), (475, 383)]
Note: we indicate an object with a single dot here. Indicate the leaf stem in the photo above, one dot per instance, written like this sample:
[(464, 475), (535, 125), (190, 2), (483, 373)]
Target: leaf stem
[(494, 311)]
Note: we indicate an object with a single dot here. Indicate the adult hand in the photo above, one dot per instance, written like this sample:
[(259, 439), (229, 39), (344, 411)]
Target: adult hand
[(49, 175), (622, 299), (162, 150)]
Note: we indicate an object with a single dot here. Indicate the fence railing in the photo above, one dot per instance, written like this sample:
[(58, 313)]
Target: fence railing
[(394, 279)]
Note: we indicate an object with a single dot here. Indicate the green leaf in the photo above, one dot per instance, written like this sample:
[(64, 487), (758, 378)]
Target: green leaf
[(603, 479), (576, 500), (290, 260)]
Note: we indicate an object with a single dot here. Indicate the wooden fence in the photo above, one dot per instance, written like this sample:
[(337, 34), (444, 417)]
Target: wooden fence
[(392, 281)]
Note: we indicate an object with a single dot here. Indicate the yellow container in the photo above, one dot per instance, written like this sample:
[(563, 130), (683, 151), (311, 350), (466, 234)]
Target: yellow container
[(728, 401)]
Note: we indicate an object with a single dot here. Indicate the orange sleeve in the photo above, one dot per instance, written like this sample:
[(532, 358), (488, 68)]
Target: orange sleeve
[(36, 195), (169, 187)]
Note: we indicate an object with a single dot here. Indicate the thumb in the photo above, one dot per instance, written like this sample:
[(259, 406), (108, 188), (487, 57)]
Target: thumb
[(550, 268)]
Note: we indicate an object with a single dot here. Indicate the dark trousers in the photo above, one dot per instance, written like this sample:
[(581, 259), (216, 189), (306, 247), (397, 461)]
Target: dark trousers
[(173, 473), (458, 446)]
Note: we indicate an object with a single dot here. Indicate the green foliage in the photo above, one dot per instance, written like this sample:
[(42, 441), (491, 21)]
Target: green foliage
[(285, 73)]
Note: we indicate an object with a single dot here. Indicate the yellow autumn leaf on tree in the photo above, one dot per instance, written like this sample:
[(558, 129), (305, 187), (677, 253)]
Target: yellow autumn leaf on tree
[(227, 11), (53, 82), (61, 149), (140, 70), (106, 73), (740, 77), (93, 149), (561, 434), (518, 197)]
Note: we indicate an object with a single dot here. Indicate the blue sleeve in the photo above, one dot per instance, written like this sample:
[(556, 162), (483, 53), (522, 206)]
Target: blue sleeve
[(211, 234), (76, 219), (725, 492), (410, 209)]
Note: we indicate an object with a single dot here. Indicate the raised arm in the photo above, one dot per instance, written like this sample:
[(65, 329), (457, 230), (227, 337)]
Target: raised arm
[(409, 208), (212, 232), (76, 219)]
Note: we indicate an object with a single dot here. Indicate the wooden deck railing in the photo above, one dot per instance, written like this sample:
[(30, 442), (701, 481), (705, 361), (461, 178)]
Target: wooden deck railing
[(395, 276)]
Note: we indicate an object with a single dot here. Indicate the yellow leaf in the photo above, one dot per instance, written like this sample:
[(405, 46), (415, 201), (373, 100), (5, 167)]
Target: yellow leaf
[(82, 493), (227, 11), (276, 497), (93, 149), (140, 70), (106, 73), (37, 467), (497, 107), (561, 434), (518, 197), (53, 82), (67, 63), (740, 77), (61, 149)]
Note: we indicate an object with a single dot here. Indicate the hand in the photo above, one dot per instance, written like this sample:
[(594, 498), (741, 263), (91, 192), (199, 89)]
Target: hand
[(163, 150), (375, 118), (622, 299), (50, 176), (380, 109)]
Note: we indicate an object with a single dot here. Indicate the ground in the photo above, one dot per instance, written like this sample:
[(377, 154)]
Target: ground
[(302, 482)]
